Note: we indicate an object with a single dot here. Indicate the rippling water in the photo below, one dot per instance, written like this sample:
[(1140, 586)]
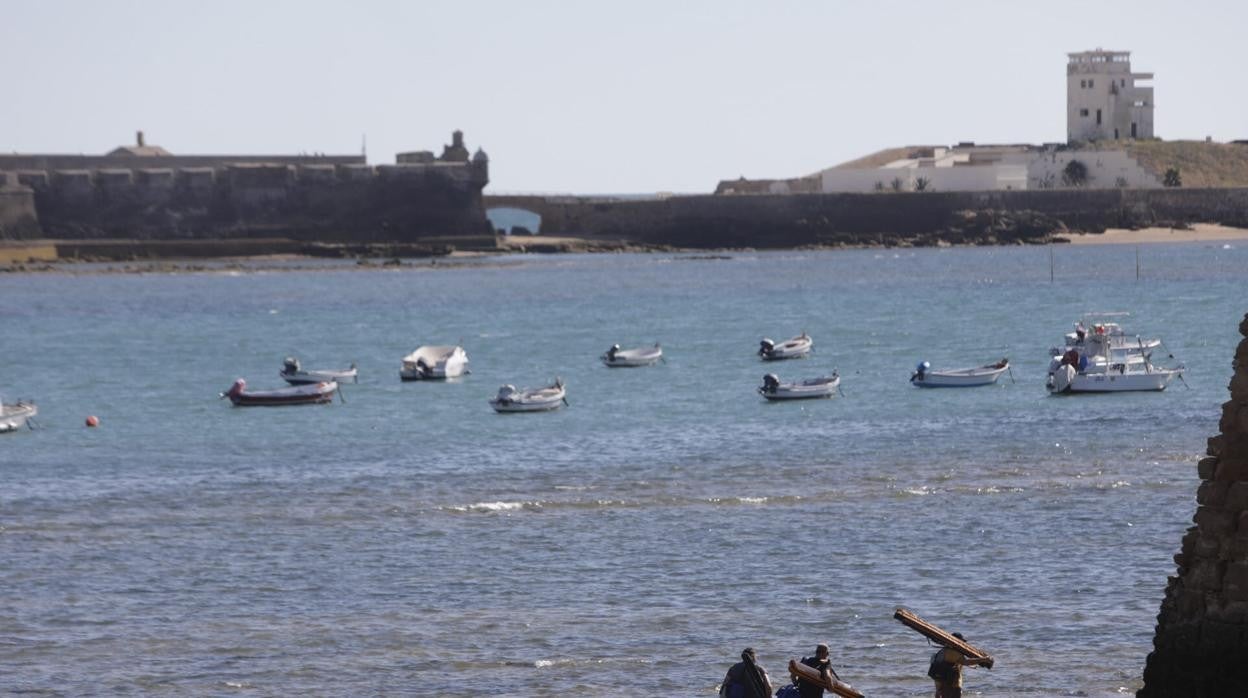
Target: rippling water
[(410, 541)]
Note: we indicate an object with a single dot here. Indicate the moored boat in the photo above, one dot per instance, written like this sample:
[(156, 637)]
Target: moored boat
[(811, 388), (511, 399), (432, 362), (793, 348), (987, 374), (615, 357), (306, 394), (1067, 378), (294, 373), (15, 415)]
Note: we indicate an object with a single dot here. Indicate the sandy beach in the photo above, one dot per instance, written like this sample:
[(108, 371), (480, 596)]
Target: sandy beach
[(1199, 232)]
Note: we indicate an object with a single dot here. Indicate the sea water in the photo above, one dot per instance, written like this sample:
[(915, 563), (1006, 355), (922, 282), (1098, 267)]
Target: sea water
[(407, 540)]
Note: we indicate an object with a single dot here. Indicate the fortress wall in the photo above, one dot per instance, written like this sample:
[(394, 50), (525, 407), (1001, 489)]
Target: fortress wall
[(1202, 628), (340, 202), (101, 162), (18, 217)]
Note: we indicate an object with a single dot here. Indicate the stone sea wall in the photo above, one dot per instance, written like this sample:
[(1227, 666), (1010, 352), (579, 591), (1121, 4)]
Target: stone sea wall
[(788, 220), (1201, 645)]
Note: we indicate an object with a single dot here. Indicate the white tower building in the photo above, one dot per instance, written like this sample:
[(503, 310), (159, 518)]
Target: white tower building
[(1102, 99)]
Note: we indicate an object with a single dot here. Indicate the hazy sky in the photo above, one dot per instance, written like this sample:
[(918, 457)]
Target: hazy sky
[(596, 97)]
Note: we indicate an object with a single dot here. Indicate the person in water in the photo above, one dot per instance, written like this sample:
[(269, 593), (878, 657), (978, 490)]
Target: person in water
[(821, 663), (746, 679), (946, 669)]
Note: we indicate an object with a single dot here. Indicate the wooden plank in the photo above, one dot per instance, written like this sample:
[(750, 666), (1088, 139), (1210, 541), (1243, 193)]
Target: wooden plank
[(938, 635), (828, 681)]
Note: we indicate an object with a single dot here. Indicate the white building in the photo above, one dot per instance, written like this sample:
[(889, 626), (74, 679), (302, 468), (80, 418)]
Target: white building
[(1102, 99), (990, 167)]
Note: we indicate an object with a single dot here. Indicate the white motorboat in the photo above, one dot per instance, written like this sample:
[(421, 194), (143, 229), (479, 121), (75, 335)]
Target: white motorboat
[(1102, 327), (511, 399), (615, 357), (811, 388), (1110, 378), (15, 415), (794, 348), (925, 377), (430, 362), (294, 373)]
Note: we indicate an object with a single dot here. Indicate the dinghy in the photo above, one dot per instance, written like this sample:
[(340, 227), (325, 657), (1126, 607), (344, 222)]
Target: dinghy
[(511, 399), (811, 388), (307, 394), (293, 373), (794, 348), (15, 415), (615, 357), (430, 362), (987, 374)]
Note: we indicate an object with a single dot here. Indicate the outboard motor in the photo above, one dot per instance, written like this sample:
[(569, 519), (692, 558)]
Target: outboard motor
[(770, 383), (290, 366), (920, 371), (765, 347), (1060, 380), (505, 393), (612, 351), (237, 389)]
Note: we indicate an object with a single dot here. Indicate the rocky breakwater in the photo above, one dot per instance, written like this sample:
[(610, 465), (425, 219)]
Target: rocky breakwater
[(1202, 630)]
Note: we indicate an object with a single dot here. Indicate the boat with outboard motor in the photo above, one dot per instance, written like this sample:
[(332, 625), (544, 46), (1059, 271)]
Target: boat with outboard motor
[(431, 362), (1098, 368), (511, 399), (811, 388), (615, 357), (1103, 327), (294, 373), (306, 394), (925, 377), (15, 415), (794, 348)]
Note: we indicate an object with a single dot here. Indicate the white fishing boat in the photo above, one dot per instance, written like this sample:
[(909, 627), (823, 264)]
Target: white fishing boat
[(15, 415), (615, 357), (294, 373), (1103, 327), (925, 377), (430, 362), (511, 399), (1110, 378), (811, 388), (794, 348)]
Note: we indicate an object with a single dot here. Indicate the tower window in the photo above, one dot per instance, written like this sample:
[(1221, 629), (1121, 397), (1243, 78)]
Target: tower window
[(1090, 83), (1083, 112), (1083, 84)]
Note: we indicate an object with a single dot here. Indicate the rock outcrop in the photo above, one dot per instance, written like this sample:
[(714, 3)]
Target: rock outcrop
[(1202, 631)]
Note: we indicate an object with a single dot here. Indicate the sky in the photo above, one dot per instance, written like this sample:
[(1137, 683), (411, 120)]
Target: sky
[(591, 97)]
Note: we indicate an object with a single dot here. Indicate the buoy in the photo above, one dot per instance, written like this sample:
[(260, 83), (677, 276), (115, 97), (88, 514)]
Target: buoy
[(93, 421)]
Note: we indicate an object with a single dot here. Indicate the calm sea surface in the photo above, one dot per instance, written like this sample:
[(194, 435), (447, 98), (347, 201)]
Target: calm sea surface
[(409, 541)]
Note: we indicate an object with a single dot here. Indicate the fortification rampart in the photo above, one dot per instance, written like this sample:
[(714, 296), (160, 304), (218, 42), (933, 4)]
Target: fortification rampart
[(19, 220), (1202, 629), (347, 201), (883, 218)]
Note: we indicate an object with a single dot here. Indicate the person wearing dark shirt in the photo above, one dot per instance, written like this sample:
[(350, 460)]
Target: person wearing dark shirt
[(746, 679), (820, 663)]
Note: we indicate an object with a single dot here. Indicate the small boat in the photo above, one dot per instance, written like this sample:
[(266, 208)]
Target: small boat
[(430, 362), (15, 415), (811, 388), (794, 348), (509, 399), (627, 358), (307, 394), (294, 374), (1103, 328), (987, 374)]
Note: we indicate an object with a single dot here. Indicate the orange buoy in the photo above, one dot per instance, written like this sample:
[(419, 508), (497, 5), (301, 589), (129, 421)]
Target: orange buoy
[(93, 421)]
